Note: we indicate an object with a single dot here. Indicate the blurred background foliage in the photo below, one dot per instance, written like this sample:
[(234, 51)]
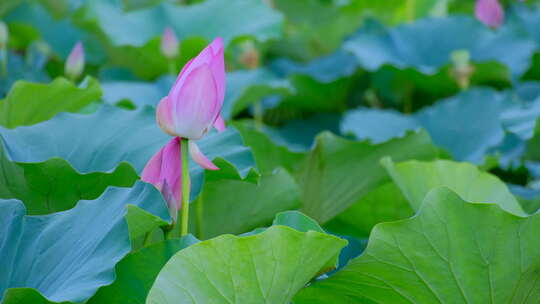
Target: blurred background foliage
[(369, 70)]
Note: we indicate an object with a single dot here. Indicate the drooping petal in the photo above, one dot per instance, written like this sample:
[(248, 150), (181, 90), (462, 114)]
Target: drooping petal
[(164, 116), (171, 167), (169, 44), (219, 124), (164, 171), (196, 108), (173, 203), (489, 12), (152, 171), (199, 157)]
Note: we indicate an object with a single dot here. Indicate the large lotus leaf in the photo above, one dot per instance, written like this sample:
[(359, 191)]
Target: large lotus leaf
[(102, 141), (230, 204), (467, 125), (324, 69), (416, 179), (297, 220), (24, 295), (338, 172), (483, 107), (452, 251), (268, 154), (267, 267), (68, 255), (54, 185), (29, 103), (377, 125), (187, 21), (418, 45), (385, 203), (136, 273)]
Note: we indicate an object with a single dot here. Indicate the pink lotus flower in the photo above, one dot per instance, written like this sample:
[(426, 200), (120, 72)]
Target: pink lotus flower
[(75, 61), (194, 102), (489, 12), (169, 44)]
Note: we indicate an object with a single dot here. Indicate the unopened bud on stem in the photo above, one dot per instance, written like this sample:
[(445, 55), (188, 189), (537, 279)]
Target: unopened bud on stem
[(250, 57), (462, 68), (75, 62), (169, 44)]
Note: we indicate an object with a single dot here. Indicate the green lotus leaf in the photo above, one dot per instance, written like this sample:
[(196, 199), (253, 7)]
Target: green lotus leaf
[(448, 122), (53, 185), (267, 267), (416, 179), (385, 203), (452, 251), (230, 204), (29, 103), (338, 172), (102, 141), (136, 273), (68, 255), (417, 45)]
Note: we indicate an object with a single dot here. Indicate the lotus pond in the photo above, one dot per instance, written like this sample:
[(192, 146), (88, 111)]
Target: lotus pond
[(269, 151)]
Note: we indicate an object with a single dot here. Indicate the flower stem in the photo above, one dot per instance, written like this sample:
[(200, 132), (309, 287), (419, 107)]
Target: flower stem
[(172, 67), (186, 184), (258, 114), (4, 58)]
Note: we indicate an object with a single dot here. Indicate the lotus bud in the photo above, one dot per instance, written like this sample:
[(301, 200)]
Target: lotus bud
[(489, 12), (250, 56), (4, 34), (194, 103), (169, 44), (164, 171), (75, 62), (462, 68)]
